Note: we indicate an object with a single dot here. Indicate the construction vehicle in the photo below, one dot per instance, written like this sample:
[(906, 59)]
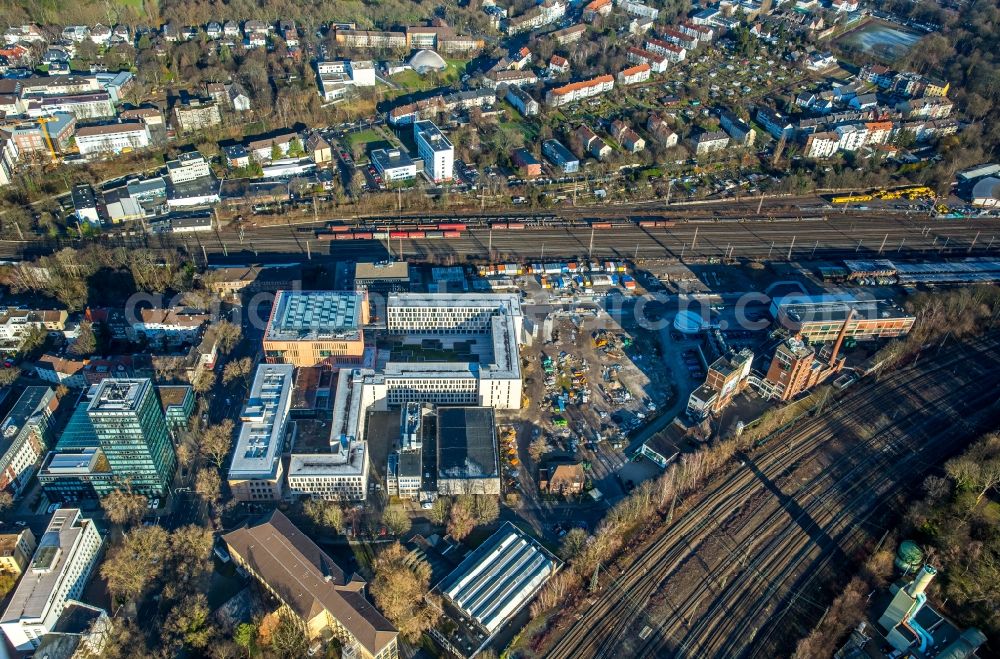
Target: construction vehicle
[(849, 199), (911, 193)]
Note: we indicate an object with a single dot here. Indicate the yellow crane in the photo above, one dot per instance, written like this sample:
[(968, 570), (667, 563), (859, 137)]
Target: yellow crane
[(43, 124)]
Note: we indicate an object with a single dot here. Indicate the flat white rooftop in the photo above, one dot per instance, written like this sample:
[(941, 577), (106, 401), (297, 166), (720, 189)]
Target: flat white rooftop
[(456, 301), (258, 448), (32, 597), (343, 461), (119, 394)]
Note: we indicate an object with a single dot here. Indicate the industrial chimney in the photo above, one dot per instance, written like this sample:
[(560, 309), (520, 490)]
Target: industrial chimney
[(921, 581)]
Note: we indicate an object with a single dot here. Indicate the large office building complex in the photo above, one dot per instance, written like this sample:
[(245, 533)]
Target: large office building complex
[(489, 325), (444, 313), (435, 150), (132, 433), (59, 571), (255, 473), (307, 328)]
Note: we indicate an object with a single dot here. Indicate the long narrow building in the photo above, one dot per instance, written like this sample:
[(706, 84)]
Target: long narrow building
[(309, 584)]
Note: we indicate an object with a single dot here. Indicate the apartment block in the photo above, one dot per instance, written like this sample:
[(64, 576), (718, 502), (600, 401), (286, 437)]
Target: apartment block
[(435, 150), (59, 571), (111, 138), (24, 437), (579, 90)]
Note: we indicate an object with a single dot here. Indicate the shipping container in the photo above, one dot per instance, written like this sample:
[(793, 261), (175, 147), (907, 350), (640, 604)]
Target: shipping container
[(414, 234), (380, 235), (435, 234), (498, 225), (325, 236), (364, 235), (515, 225), (450, 226), (647, 224), (344, 236), (397, 234), (427, 227), (601, 225), (452, 234), (406, 227), (337, 228)]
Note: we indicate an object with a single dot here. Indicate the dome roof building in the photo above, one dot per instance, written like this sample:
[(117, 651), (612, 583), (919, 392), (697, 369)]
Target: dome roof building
[(425, 61)]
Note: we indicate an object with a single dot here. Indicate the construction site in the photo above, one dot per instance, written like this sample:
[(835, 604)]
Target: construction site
[(591, 382)]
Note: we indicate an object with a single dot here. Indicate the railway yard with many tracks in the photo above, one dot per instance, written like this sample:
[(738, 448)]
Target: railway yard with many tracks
[(781, 230), (748, 567)]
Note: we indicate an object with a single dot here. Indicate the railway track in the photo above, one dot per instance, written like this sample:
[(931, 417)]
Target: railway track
[(567, 233), (621, 609), (836, 508)]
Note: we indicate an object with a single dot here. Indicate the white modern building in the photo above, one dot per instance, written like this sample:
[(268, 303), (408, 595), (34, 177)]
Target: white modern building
[(446, 313), (394, 164), (23, 437), (362, 73), (492, 381), (111, 138), (340, 475), (851, 136), (255, 473), (336, 78), (188, 167), (59, 571), (435, 150)]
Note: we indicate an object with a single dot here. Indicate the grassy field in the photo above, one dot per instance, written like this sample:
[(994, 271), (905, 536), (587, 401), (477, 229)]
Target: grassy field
[(363, 137), (514, 120), (411, 81), (59, 12)]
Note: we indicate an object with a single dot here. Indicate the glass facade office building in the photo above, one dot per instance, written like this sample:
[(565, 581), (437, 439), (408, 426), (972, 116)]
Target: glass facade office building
[(132, 432)]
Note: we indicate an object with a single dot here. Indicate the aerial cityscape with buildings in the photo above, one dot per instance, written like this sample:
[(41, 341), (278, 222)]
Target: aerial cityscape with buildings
[(569, 330)]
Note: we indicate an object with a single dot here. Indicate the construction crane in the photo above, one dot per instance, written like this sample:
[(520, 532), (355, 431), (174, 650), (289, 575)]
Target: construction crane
[(43, 124)]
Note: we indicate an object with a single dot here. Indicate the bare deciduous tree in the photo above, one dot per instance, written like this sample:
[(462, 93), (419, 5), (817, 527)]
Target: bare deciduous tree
[(401, 588)]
